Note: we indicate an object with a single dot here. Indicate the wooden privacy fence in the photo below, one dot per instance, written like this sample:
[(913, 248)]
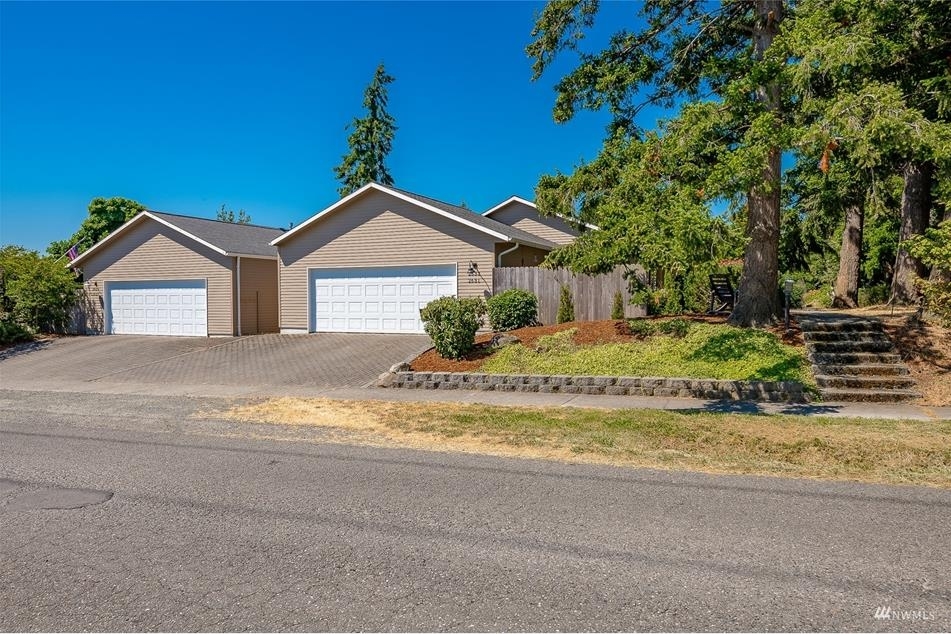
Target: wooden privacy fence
[(593, 296)]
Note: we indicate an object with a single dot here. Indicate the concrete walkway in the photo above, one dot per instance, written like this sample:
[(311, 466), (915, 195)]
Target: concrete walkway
[(513, 399)]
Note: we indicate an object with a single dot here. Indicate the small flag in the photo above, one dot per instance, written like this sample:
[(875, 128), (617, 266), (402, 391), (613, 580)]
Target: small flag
[(73, 252)]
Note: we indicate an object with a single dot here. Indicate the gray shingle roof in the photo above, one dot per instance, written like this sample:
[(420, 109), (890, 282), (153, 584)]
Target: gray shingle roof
[(227, 236), (513, 233)]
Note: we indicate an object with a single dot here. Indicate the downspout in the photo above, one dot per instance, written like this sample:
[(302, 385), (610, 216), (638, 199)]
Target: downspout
[(239, 295), (506, 252)]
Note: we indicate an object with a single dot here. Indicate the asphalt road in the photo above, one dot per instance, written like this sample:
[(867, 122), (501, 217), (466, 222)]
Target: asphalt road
[(178, 524)]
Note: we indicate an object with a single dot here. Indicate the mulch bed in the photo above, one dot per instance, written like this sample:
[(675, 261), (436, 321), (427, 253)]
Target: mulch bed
[(588, 333), (926, 349)]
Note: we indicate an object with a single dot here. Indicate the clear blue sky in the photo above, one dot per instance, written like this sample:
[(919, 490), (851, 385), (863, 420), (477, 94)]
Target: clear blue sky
[(185, 106)]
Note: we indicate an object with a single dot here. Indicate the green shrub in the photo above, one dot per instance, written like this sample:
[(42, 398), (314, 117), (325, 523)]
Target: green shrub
[(36, 292), (566, 306), (644, 296), (617, 308), (934, 249), (511, 309), (12, 332), (675, 328), (872, 295), (817, 298), (642, 328), (452, 324), (938, 300), (663, 301)]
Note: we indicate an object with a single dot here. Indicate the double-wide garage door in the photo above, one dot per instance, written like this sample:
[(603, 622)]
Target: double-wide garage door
[(178, 307), (384, 299)]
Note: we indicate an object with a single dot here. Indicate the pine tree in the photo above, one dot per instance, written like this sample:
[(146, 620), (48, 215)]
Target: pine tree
[(566, 306), (370, 140), (228, 215), (692, 50), (617, 308)]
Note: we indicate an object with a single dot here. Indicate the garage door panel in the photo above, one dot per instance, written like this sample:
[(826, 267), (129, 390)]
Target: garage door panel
[(377, 299), (174, 307)]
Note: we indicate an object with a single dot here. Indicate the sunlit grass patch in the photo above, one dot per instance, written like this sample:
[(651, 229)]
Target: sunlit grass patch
[(711, 351), (895, 452)]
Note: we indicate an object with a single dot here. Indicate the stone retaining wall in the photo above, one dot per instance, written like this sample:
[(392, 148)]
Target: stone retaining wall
[(771, 391)]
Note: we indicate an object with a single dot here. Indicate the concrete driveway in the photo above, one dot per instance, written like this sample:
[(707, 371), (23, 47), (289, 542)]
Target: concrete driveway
[(263, 361)]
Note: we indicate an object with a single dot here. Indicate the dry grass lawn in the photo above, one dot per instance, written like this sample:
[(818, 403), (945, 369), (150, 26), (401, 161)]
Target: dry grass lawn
[(893, 452)]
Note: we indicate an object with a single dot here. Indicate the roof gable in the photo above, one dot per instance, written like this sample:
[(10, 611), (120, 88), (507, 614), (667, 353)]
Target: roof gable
[(506, 203), (226, 238), (466, 217), (528, 203)]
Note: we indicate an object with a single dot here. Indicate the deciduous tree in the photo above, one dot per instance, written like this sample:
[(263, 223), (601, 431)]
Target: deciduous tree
[(37, 291), (105, 216)]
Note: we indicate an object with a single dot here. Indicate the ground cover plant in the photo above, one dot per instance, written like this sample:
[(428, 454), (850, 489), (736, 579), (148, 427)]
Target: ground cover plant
[(674, 348)]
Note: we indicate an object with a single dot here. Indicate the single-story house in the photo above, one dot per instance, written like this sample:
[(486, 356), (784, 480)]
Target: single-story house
[(370, 261), (367, 263), (165, 274), (523, 214)]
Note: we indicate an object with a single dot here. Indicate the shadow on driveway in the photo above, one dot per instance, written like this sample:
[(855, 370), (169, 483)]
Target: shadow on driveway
[(20, 349)]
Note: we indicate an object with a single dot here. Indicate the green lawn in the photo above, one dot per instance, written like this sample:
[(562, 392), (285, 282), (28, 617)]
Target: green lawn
[(710, 351)]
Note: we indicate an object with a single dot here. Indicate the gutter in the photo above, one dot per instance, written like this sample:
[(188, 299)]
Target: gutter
[(506, 252)]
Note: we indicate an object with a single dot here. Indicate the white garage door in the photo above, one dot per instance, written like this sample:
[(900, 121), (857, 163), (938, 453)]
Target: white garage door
[(178, 307), (385, 299)]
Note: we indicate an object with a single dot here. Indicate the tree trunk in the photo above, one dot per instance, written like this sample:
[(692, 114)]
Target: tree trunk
[(915, 214), (757, 297), (846, 288)]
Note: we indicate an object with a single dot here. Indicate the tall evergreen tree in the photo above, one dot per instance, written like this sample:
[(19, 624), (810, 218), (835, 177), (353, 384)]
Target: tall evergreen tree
[(869, 84), (370, 140), (695, 50)]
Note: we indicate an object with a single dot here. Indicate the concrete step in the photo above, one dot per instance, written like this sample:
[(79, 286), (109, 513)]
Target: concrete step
[(852, 382), (839, 326), (866, 369), (853, 358), (867, 396), (841, 335), (825, 347)]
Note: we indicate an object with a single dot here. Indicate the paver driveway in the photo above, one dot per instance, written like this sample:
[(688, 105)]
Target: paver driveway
[(320, 360)]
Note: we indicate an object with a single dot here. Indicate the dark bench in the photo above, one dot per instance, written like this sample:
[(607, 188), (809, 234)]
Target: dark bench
[(722, 294)]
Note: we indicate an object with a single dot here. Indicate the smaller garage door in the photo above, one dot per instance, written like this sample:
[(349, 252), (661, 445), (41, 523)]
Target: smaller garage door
[(177, 307), (385, 299)]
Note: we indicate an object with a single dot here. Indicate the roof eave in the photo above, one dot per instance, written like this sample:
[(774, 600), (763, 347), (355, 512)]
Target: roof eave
[(139, 216), (418, 203)]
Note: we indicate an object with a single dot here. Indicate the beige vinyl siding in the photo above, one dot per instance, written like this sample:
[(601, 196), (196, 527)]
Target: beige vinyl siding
[(522, 256), (151, 251), (521, 216), (377, 229), (258, 296)]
